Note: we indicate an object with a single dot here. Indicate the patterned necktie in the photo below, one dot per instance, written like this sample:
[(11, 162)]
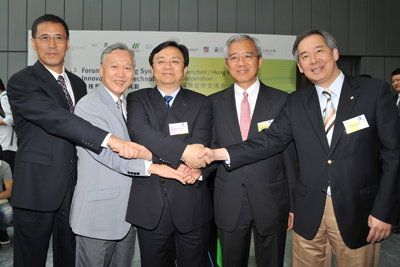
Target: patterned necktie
[(167, 99), (329, 114), (121, 108), (61, 81), (245, 116)]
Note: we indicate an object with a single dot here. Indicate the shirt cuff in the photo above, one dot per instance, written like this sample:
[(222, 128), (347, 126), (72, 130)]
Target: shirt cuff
[(147, 164), (228, 161), (105, 141)]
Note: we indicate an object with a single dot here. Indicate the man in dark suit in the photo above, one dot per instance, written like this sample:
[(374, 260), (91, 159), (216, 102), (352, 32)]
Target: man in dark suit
[(42, 99), (172, 218), (255, 196), (348, 166)]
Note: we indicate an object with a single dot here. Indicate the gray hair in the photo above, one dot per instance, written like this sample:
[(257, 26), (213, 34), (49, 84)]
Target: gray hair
[(116, 46), (240, 37), (330, 41)]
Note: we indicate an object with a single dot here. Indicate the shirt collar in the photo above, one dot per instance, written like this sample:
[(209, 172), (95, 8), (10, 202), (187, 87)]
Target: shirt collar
[(114, 97), (335, 87), (173, 94), (251, 91), (55, 74)]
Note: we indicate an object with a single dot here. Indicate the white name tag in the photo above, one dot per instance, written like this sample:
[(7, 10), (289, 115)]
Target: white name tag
[(264, 125), (355, 124), (178, 128)]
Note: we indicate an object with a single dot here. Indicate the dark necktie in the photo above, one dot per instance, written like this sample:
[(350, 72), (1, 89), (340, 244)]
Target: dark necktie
[(120, 107), (61, 81), (167, 100)]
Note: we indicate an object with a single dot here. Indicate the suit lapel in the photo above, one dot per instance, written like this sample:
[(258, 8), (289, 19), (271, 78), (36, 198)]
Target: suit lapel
[(261, 110), (229, 106), (78, 92), (49, 84), (348, 97), (157, 101), (313, 110)]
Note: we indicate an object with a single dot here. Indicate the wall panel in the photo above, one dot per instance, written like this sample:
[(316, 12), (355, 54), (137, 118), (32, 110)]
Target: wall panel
[(111, 15), (189, 15)]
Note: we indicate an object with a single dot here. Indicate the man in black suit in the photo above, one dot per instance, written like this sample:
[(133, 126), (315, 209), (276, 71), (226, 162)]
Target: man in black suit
[(42, 99), (172, 218), (348, 166), (255, 196)]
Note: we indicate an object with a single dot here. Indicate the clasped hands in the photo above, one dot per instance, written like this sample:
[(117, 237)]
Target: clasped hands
[(198, 156)]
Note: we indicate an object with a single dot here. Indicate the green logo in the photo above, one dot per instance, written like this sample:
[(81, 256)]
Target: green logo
[(135, 45)]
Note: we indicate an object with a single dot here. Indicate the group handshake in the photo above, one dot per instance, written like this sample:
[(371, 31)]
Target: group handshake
[(194, 157)]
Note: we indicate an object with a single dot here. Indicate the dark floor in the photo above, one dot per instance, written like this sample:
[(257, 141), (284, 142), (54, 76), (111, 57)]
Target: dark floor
[(390, 253)]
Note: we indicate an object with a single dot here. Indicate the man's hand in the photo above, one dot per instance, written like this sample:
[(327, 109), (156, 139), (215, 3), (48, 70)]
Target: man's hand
[(290, 221), (125, 149), (194, 175), (211, 155), (169, 173), (144, 153), (379, 230), (190, 156)]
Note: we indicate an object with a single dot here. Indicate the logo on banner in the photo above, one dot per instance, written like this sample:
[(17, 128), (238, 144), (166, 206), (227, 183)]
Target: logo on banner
[(206, 49), (136, 47)]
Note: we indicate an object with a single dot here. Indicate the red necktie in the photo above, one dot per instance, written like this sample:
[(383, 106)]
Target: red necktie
[(245, 116)]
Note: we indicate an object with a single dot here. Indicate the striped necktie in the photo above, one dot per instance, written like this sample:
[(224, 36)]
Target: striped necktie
[(329, 114), (61, 81), (167, 99)]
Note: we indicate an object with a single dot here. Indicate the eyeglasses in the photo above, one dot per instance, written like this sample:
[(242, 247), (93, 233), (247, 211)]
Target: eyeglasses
[(45, 38), (246, 57), (162, 62)]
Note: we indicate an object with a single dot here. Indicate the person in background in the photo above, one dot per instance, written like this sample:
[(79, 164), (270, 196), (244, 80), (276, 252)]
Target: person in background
[(8, 138), (6, 211), (395, 78), (346, 133)]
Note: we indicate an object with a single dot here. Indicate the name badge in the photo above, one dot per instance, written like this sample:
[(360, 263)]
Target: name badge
[(355, 124), (178, 128), (262, 125)]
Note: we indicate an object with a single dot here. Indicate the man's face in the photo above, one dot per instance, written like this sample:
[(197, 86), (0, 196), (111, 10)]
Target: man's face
[(317, 61), (168, 68), (396, 82), (117, 71), (243, 63), (51, 45)]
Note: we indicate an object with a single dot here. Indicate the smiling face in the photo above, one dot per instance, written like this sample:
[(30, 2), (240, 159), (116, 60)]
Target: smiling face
[(396, 82), (117, 71), (51, 45), (317, 61), (243, 62), (168, 69)]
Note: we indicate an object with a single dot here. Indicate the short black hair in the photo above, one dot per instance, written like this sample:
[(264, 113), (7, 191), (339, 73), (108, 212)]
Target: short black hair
[(181, 47), (49, 18), (2, 88), (395, 72)]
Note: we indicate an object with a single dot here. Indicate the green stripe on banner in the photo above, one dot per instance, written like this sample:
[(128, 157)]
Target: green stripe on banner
[(219, 251)]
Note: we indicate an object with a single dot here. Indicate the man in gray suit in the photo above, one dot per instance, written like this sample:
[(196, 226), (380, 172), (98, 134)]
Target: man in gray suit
[(100, 198)]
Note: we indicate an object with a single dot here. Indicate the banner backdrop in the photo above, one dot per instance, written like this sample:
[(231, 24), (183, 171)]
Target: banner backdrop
[(206, 73)]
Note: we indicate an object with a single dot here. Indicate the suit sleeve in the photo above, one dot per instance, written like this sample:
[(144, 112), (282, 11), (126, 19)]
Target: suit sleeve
[(388, 128), (168, 149), (90, 112), (31, 102), (267, 143)]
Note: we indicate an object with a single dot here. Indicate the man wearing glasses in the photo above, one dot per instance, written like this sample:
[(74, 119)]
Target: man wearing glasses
[(255, 197), (42, 98), (172, 219)]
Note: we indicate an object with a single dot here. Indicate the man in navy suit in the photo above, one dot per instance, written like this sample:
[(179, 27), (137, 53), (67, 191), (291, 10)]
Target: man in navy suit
[(346, 132), (255, 197), (42, 99), (172, 219)]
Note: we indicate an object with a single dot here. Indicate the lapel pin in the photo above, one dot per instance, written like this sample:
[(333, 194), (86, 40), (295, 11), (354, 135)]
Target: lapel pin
[(351, 97)]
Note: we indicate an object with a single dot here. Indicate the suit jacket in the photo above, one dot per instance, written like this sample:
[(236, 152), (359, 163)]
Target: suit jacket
[(148, 124), (361, 167), (45, 163), (101, 194), (265, 181)]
